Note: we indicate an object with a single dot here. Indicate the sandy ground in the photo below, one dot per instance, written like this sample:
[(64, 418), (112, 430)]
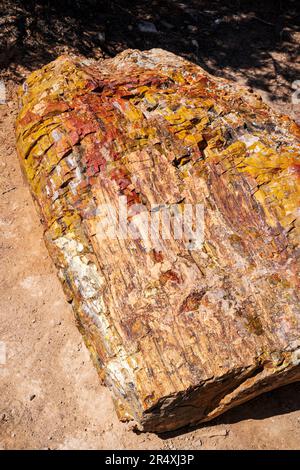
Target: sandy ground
[(50, 395)]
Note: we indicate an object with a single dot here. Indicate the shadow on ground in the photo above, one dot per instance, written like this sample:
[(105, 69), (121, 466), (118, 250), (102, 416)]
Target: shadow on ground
[(277, 402), (255, 40)]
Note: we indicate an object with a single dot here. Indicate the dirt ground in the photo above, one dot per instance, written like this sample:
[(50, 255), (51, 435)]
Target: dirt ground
[(50, 395)]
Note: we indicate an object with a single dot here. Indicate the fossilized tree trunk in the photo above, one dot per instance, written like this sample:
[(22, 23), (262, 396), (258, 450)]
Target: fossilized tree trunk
[(179, 333)]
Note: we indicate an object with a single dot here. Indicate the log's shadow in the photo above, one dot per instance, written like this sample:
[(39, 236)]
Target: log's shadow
[(255, 40), (281, 401)]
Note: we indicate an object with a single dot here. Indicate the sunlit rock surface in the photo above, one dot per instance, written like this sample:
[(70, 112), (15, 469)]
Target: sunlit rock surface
[(180, 331)]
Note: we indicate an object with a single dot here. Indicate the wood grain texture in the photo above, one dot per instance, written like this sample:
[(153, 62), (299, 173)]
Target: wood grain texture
[(179, 335)]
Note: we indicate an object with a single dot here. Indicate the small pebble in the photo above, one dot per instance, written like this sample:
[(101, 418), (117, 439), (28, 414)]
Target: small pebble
[(192, 28), (147, 27), (101, 37)]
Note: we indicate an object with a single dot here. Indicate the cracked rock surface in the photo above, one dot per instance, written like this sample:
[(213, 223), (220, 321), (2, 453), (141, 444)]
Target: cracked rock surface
[(179, 333)]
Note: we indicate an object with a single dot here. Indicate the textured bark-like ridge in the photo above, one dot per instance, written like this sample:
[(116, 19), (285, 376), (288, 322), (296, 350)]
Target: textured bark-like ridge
[(178, 335)]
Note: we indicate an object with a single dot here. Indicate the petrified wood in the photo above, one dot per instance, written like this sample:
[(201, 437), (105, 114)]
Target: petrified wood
[(178, 333)]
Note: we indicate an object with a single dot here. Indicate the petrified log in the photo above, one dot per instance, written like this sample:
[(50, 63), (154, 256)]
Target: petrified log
[(179, 330)]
